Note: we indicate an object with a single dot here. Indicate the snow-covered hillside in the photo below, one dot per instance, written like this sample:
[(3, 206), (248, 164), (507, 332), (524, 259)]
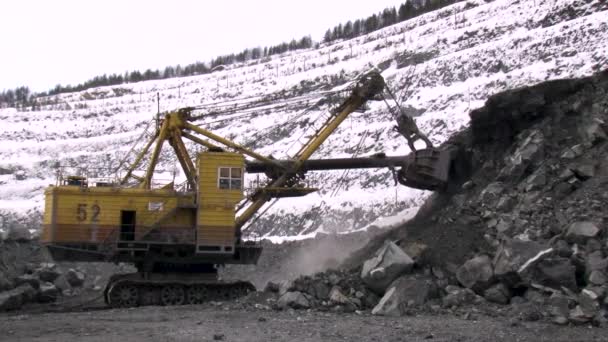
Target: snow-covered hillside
[(442, 64)]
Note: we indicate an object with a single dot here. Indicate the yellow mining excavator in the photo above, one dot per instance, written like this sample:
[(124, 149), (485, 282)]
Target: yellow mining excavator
[(178, 239)]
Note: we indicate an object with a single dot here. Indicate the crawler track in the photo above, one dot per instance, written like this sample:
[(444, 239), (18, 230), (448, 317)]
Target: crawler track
[(132, 290)]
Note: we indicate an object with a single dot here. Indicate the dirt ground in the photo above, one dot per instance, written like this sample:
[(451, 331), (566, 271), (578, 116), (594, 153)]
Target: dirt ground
[(212, 322)]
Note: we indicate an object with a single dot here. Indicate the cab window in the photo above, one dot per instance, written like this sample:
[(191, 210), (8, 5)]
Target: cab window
[(230, 178)]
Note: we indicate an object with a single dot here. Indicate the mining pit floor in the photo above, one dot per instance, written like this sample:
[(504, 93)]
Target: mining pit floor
[(222, 322)]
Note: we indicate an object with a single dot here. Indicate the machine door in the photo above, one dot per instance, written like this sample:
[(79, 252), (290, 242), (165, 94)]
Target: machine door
[(127, 225)]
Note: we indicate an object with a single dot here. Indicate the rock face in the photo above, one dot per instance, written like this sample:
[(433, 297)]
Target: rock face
[(388, 264)]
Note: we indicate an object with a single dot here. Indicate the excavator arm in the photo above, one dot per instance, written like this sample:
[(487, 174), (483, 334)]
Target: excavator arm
[(423, 169)]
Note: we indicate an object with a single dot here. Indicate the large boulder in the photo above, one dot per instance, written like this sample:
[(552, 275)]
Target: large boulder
[(406, 291), (476, 273), (581, 231), (515, 256), (554, 272), (389, 263), (294, 299), (75, 278)]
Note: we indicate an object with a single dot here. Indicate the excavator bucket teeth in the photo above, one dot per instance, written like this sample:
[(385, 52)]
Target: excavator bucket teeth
[(429, 169)]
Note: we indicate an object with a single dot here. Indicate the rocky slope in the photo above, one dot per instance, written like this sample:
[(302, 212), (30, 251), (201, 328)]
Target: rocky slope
[(441, 65), (527, 227)]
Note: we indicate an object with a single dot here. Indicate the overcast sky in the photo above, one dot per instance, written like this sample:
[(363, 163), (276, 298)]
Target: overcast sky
[(49, 42)]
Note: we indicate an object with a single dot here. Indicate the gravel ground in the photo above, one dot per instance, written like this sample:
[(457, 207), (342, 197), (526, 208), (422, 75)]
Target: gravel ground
[(212, 322)]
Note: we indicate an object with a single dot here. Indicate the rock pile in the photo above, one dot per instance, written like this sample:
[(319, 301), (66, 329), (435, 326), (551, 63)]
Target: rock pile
[(527, 231), (43, 284)]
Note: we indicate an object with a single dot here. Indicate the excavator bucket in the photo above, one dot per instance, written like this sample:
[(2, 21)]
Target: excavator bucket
[(427, 169)]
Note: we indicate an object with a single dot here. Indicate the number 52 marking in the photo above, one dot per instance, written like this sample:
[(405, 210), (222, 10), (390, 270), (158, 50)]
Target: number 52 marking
[(81, 212)]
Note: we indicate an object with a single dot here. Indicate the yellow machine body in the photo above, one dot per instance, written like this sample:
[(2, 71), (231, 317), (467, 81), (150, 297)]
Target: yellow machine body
[(96, 214), (81, 215)]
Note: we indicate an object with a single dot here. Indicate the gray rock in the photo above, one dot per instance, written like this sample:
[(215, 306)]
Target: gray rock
[(5, 282), (562, 248), (414, 249), (593, 132), (579, 232), (468, 185), (75, 278), (529, 149), (47, 293), (272, 287), (565, 175), (597, 278), (583, 171), (337, 297), (10, 300), (476, 273), (505, 203), (406, 291), (48, 274), (511, 256), (554, 272), (587, 308), (498, 293), (15, 298), (535, 181), (568, 154), (491, 193), (389, 263), (62, 283), (578, 316), (596, 262), (320, 290), (370, 299), (459, 297), (559, 305), (295, 300), (30, 279)]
